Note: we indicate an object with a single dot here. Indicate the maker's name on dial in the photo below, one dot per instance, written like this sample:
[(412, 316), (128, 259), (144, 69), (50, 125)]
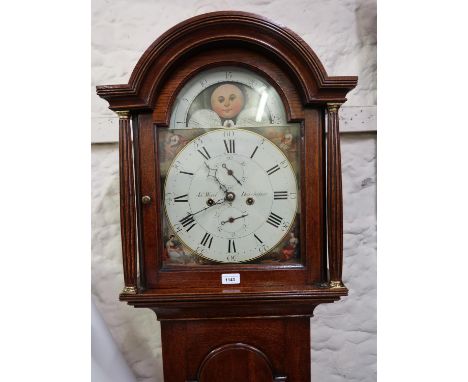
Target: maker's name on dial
[(206, 195), (254, 193)]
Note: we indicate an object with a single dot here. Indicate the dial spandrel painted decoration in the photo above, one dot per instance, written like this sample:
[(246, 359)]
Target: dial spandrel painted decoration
[(230, 168)]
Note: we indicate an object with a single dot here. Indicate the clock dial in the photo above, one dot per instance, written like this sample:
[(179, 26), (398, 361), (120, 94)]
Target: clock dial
[(228, 97), (230, 195)]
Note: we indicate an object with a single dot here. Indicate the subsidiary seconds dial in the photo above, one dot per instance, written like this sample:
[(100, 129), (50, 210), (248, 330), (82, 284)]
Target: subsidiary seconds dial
[(230, 195)]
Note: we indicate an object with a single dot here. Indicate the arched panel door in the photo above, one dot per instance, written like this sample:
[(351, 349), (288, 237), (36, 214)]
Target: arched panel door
[(237, 362)]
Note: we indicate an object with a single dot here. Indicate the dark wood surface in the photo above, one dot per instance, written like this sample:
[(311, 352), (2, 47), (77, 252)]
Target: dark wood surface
[(258, 331), (335, 198), (149, 214), (127, 205), (222, 364), (237, 350), (313, 195)]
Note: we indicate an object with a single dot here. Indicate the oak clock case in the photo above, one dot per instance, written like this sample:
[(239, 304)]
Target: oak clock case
[(230, 196), (230, 171)]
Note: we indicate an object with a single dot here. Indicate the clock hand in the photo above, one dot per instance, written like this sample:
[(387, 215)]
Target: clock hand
[(231, 220), (220, 201), (230, 172), (221, 186)]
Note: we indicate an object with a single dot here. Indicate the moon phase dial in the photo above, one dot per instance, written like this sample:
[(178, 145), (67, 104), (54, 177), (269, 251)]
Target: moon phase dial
[(227, 96)]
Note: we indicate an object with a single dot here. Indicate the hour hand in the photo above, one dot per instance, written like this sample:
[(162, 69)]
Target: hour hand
[(212, 173), (231, 173)]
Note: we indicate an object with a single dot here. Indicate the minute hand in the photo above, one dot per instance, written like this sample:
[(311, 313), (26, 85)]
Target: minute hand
[(220, 201)]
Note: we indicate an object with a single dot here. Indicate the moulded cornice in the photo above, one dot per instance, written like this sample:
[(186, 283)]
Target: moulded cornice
[(316, 87)]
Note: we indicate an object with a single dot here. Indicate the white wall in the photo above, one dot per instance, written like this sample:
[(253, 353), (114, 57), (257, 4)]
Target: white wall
[(343, 34)]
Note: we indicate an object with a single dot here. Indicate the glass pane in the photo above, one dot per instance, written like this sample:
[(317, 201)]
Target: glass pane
[(230, 169)]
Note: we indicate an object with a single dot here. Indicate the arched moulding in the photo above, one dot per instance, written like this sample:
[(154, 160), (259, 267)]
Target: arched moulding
[(250, 30), (220, 360), (219, 58)]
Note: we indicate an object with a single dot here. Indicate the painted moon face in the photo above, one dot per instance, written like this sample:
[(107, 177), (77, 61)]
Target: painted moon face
[(227, 101)]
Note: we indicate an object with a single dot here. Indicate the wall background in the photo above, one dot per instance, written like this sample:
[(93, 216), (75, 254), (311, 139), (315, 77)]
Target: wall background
[(343, 35)]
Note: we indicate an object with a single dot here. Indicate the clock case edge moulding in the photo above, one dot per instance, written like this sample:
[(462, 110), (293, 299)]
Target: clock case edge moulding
[(309, 95)]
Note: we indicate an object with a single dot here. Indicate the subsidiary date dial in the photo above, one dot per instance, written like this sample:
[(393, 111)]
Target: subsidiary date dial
[(230, 195)]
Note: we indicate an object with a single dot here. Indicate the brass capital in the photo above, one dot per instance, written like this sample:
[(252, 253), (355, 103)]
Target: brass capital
[(333, 107), (123, 114), (336, 284), (129, 290)]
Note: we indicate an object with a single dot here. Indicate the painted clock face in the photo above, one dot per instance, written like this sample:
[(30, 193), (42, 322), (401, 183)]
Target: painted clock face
[(229, 165), (230, 195)]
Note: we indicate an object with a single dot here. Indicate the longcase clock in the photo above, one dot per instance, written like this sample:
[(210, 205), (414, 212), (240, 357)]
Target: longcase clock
[(231, 201)]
